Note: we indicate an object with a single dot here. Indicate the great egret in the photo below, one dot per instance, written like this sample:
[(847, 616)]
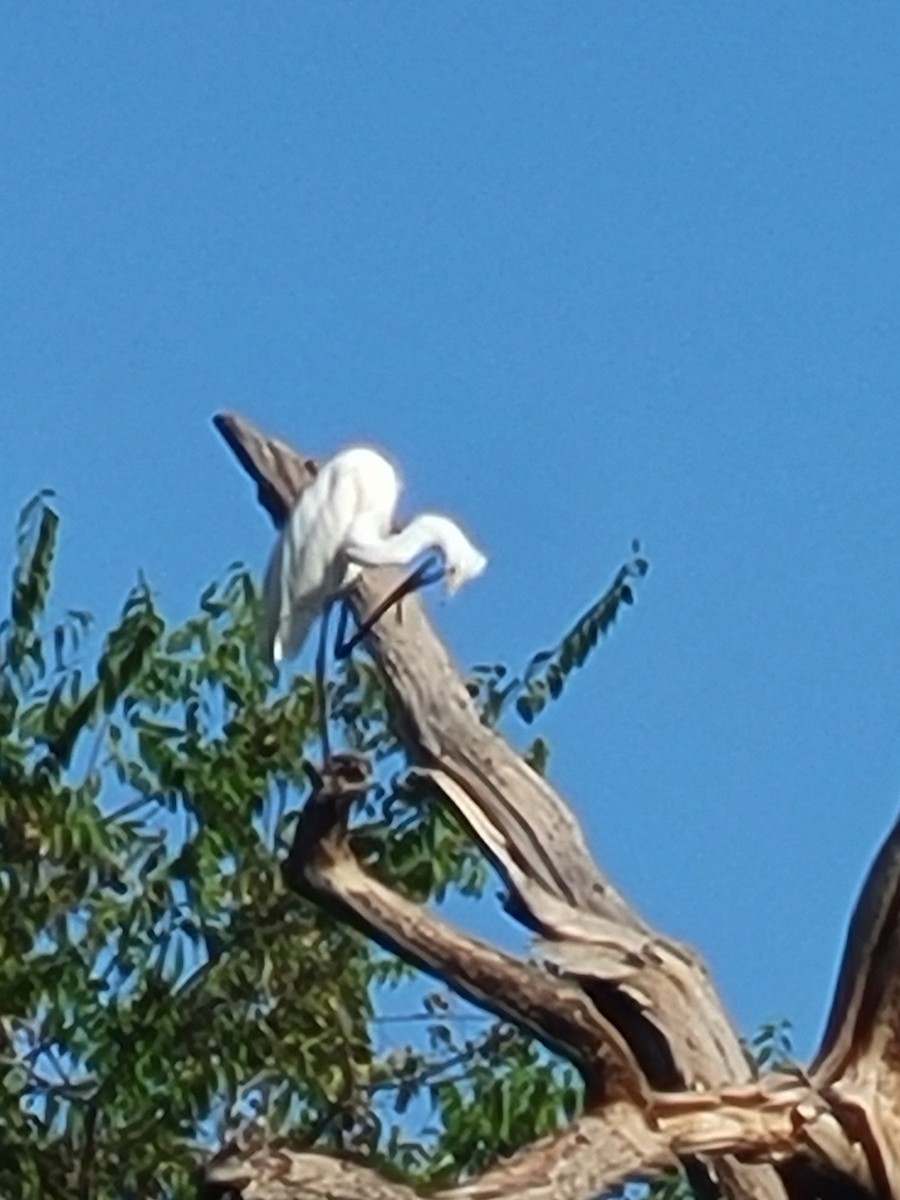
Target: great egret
[(342, 523)]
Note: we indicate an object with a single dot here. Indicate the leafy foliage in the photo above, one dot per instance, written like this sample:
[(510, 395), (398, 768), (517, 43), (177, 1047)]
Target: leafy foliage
[(510, 1094), (772, 1047), (158, 984), (547, 672)]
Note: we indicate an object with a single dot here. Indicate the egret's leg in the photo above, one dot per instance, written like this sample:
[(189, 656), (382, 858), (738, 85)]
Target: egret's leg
[(340, 637), (322, 684), (429, 572)]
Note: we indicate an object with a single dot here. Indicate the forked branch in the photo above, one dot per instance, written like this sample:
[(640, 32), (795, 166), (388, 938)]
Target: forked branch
[(636, 1012)]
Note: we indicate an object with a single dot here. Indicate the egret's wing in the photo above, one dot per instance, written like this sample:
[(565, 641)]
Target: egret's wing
[(293, 633), (285, 626), (306, 568)]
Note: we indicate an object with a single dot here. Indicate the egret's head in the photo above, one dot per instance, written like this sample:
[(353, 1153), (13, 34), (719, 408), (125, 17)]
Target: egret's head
[(461, 560), (467, 563)]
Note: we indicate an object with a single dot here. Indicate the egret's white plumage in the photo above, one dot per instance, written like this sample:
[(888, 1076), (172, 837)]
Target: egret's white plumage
[(342, 523)]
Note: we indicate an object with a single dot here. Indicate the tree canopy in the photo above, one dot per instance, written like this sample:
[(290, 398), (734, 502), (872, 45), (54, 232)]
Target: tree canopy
[(160, 986)]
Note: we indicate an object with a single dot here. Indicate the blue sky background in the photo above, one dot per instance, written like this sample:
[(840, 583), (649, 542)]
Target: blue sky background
[(589, 271)]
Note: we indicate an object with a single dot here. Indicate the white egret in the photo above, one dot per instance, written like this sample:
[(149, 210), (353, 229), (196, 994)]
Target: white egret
[(342, 522)]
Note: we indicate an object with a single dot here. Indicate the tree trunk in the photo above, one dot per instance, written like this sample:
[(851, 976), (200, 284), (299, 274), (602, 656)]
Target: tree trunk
[(636, 1012)]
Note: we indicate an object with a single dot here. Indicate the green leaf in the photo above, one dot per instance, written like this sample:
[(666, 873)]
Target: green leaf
[(148, 790), (547, 672)]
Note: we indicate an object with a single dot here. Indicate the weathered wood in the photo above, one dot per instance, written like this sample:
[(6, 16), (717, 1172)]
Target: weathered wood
[(594, 1157), (620, 999), (322, 866), (279, 472), (866, 1005), (590, 1159), (858, 1061)]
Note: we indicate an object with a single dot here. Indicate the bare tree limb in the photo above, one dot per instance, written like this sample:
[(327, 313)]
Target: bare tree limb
[(596, 1156), (865, 1011), (536, 837), (858, 1061), (278, 471), (589, 1159), (636, 1011), (322, 866)]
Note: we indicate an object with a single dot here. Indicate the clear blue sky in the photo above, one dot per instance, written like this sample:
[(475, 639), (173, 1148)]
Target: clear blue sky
[(589, 271)]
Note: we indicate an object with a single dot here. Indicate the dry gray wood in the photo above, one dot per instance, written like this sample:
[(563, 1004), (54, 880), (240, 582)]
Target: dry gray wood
[(584, 1160), (594, 1157), (322, 865), (858, 1061), (634, 1010)]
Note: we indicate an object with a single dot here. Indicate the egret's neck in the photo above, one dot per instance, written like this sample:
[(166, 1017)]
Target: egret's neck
[(365, 547)]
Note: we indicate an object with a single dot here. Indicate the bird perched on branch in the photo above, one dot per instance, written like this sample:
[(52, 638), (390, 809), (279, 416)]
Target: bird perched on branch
[(342, 522)]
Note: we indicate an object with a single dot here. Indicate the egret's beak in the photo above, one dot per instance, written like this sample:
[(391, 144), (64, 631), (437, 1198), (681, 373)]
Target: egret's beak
[(429, 572)]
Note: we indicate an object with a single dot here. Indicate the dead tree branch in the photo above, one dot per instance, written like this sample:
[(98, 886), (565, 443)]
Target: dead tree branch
[(635, 1011)]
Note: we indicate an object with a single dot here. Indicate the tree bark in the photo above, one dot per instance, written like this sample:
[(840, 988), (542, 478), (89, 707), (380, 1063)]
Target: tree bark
[(637, 1013)]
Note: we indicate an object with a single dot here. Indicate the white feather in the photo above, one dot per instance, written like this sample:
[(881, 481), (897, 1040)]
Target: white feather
[(341, 523)]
